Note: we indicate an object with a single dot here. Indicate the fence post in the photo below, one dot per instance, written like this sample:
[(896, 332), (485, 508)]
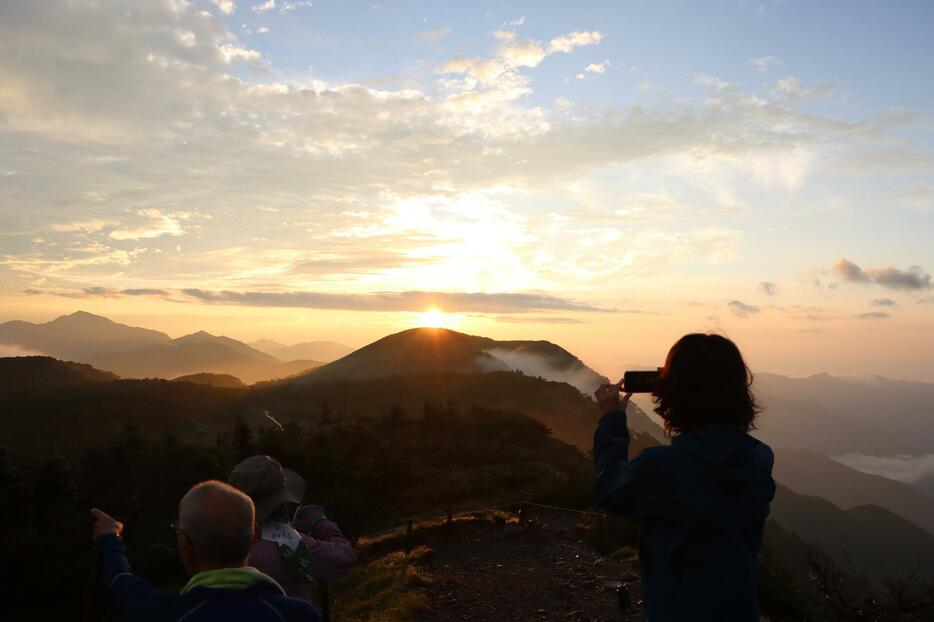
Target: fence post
[(450, 517), (624, 598), (408, 534), (325, 601), (522, 513)]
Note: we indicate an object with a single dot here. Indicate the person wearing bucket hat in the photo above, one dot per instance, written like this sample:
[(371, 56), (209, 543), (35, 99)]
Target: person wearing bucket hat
[(295, 550)]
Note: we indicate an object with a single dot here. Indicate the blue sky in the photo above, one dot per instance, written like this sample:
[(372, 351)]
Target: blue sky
[(878, 51), (555, 170)]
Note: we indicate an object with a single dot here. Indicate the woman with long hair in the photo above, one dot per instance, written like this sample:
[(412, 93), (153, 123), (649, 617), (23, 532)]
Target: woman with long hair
[(703, 499)]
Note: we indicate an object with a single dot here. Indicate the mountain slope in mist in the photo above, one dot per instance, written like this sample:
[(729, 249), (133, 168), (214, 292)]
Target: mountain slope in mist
[(847, 414), (134, 352), (78, 335), (868, 540), (199, 353), (810, 473), (416, 352), (421, 350), (323, 351)]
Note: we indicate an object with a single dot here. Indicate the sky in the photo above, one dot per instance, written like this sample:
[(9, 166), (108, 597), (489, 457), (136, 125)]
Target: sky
[(605, 175)]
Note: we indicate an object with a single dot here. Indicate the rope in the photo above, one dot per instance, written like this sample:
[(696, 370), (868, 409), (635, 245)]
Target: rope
[(424, 517)]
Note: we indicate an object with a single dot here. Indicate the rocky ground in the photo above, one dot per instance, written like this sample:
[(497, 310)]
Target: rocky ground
[(488, 566)]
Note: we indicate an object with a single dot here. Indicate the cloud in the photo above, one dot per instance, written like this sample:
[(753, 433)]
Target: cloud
[(741, 309), (792, 88), (873, 315), (165, 108), (537, 319), (582, 378), (902, 468), (764, 63), (294, 4), (578, 38), (157, 224), (98, 292), (713, 83), (597, 67), (436, 34), (882, 302), (514, 23), (768, 288), (235, 53), (397, 301), (11, 350), (849, 271), (920, 198), (470, 302), (83, 226), (594, 68), (269, 5), (912, 279), (227, 7)]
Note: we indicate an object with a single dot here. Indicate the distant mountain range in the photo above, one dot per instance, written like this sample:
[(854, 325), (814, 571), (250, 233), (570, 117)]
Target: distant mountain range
[(847, 414), (324, 351), (75, 336), (811, 473), (865, 540), (134, 352), (221, 381)]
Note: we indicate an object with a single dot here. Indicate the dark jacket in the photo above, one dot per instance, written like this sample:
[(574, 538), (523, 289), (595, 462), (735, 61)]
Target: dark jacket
[(133, 599), (702, 502)]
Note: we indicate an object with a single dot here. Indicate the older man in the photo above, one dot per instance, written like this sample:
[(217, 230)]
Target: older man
[(216, 530)]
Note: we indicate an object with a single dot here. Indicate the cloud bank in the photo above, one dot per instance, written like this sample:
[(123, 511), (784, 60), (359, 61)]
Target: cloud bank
[(912, 279), (902, 468)]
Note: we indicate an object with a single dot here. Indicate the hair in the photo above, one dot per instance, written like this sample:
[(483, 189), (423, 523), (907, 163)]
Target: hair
[(219, 520), (705, 382)]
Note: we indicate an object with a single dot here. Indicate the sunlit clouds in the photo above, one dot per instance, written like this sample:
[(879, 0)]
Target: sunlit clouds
[(227, 155)]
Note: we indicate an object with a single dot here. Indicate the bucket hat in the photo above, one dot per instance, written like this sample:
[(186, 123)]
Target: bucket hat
[(267, 483)]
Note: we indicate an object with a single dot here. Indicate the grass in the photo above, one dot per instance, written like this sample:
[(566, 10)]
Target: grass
[(384, 586), (382, 590)]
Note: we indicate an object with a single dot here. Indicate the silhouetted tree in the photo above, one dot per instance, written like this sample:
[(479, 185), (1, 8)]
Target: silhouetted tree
[(243, 445)]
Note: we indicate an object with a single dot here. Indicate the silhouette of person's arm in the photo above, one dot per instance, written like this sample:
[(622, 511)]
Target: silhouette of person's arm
[(630, 488), (331, 552), (131, 598)]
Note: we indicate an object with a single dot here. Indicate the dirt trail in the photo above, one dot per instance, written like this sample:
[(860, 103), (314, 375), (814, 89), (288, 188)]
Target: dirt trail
[(489, 567)]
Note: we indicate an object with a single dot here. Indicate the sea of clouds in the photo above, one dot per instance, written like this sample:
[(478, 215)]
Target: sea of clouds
[(912, 470)]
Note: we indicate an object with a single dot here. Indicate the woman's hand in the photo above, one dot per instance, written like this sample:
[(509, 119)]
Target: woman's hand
[(608, 397)]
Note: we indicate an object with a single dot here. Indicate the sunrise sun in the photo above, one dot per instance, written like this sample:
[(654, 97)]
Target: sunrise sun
[(435, 318)]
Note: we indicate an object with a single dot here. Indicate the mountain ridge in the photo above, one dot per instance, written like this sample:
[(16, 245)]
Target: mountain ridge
[(439, 349)]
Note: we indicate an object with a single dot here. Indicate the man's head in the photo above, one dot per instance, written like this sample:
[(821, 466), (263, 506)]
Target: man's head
[(216, 527)]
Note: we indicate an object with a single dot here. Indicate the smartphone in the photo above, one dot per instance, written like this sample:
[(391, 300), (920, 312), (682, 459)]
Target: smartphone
[(640, 381)]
